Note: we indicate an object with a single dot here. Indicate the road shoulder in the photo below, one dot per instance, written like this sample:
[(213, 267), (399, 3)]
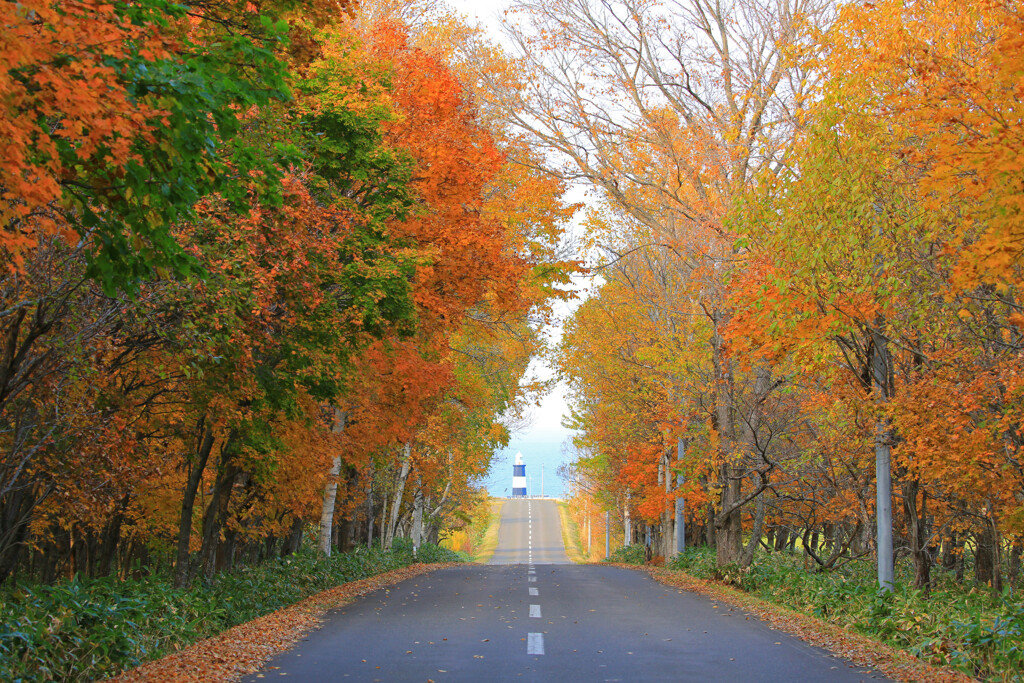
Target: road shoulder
[(489, 539), (861, 650), (570, 535)]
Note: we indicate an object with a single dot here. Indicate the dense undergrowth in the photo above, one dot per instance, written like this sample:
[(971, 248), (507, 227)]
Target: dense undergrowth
[(83, 630), (963, 626), (628, 554)]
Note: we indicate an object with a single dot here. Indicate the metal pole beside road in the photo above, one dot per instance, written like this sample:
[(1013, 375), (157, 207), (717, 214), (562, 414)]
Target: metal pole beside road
[(607, 535)]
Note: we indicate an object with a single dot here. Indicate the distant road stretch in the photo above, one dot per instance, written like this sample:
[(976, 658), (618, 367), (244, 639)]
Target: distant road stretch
[(530, 532)]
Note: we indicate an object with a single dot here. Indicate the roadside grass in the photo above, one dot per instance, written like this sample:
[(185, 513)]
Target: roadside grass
[(627, 554), (485, 541), (87, 629), (571, 535)]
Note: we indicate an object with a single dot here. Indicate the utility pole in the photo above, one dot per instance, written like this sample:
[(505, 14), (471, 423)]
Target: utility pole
[(627, 525), (607, 534), (680, 503), (881, 371), (883, 467), (588, 532)]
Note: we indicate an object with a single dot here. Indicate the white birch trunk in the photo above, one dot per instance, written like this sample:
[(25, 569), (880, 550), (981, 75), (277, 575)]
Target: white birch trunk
[(331, 490), (396, 503), (417, 516)]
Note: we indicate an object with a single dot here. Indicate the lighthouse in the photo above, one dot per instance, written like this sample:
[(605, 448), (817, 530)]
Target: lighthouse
[(519, 477)]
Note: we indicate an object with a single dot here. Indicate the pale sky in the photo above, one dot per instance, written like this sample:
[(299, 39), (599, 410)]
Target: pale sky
[(483, 12)]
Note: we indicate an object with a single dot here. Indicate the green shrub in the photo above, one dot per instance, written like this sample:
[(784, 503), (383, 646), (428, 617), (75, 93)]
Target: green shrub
[(628, 554), (91, 629), (699, 562)]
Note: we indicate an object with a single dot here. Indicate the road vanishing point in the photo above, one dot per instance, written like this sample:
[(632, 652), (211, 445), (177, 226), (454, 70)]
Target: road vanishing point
[(531, 615)]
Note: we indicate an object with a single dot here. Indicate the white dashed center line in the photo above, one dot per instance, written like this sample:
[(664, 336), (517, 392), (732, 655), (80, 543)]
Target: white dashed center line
[(535, 644), (534, 641)]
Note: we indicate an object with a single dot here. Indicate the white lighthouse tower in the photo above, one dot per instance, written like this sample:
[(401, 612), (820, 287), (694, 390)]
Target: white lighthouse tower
[(519, 477)]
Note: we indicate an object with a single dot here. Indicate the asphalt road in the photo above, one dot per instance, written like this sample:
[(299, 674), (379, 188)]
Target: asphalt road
[(547, 620), (530, 532)]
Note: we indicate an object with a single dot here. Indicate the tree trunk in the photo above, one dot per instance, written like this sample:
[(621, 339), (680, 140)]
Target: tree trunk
[(217, 512), (293, 541), (331, 490), (782, 538), (343, 534), (728, 522), (1013, 573), (417, 515), (396, 504), (709, 526), (916, 533), (195, 477), (747, 557), (370, 511), (112, 537), (762, 386), (226, 550), (949, 551), (668, 519), (15, 515), (986, 558), (382, 528)]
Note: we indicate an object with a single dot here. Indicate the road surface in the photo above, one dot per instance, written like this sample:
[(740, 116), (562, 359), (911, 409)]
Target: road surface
[(543, 619), (530, 532)]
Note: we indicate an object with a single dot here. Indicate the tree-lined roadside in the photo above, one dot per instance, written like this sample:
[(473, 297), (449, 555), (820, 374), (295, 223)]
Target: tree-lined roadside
[(265, 266), (89, 629), (272, 275), (807, 332)]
